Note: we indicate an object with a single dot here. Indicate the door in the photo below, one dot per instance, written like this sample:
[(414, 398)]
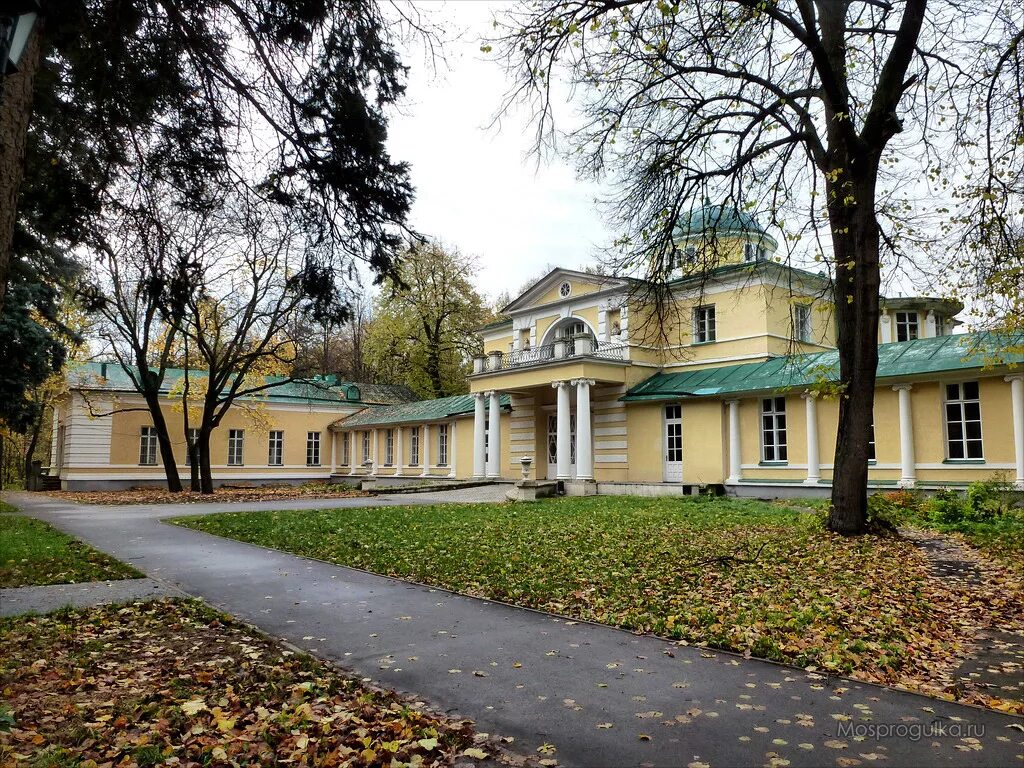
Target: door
[(553, 446), (673, 443)]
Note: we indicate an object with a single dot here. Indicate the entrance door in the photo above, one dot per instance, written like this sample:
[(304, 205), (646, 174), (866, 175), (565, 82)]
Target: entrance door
[(673, 443), (553, 446)]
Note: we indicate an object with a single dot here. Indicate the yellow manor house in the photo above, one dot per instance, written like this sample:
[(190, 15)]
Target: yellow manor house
[(583, 383)]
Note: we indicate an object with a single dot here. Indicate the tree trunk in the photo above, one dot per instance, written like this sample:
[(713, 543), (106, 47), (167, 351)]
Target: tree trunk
[(855, 244), (163, 438), (205, 472), (15, 110)]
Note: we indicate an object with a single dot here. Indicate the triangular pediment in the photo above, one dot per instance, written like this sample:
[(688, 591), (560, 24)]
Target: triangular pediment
[(561, 285)]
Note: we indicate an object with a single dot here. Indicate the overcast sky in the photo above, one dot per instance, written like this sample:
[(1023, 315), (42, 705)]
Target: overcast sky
[(476, 187)]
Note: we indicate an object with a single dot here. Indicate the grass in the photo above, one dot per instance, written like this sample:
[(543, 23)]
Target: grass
[(34, 553), (6, 508), (749, 576), (158, 495), (165, 682)]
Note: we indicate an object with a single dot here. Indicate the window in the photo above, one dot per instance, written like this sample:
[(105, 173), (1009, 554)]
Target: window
[(346, 449), (389, 447), (312, 449), (564, 289), (275, 448), (871, 444), (906, 326), (704, 324), (940, 325), (147, 446), (366, 446), (191, 440), (236, 447), (673, 433), (773, 429), (690, 254), (442, 445), (802, 322), (963, 421), (753, 252), (414, 447)]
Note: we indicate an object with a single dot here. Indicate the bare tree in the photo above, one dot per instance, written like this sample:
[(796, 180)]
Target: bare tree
[(788, 109)]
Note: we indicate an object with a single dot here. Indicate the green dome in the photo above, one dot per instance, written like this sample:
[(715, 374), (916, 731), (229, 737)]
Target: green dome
[(721, 221)]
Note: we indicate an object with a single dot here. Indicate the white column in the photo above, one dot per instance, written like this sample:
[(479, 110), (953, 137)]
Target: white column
[(735, 466), (334, 450), (425, 449), (563, 437), (479, 449), (373, 452), (494, 440), (584, 440), (908, 470), (398, 450), (1017, 399), (352, 461), (451, 449), (886, 325), (813, 459)]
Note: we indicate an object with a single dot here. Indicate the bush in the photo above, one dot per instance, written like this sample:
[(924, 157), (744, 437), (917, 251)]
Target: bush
[(888, 510), (946, 507), (988, 500)]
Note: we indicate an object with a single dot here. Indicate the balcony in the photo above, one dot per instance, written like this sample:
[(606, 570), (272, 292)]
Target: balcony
[(562, 350)]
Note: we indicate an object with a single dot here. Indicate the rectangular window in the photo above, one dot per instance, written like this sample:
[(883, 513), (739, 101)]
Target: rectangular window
[(236, 447), (414, 447), (389, 447), (704, 329), (963, 421), (442, 445), (871, 444), (312, 449), (346, 451), (191, 440), (940, 326), (275, 448), (147, 446), (906, 326), (773, 429), (366, 446), (802, 322)]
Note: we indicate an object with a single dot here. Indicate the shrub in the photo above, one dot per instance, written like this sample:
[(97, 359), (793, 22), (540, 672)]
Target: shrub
[(987, 500), (887, 510), (946, 507)]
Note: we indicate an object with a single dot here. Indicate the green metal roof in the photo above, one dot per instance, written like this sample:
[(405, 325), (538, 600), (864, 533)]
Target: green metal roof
[(716, 220), (421, 411), (908, 358), (323, 389), (750, 267)]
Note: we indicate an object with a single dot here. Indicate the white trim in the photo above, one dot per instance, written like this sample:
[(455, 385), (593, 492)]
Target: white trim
[(522, 423), (604, 418), (610, 444), (610, 458), (605, 431)]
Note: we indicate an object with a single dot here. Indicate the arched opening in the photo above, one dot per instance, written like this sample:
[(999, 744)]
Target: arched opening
[(574, 334)]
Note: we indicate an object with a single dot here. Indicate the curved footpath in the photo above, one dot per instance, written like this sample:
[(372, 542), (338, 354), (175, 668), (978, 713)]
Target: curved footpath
[(601, 696)]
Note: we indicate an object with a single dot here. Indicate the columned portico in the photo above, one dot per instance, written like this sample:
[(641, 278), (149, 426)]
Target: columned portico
[(563, 435), (584, 441), (1017, 400), (494, 436), (908, 467), (735, 463), (479, 436), (813, 459)]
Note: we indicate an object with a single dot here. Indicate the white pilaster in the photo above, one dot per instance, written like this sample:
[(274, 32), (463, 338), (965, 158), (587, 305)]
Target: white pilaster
[(885, 324), (584, 441), (494, 439), (451, 449), (1017, 398), (813, 458), (373, 452), (563, 437), (908, 470), (334, 450), (425, 449), (735, 464), (398, 450), (352, 461), (479, 449)]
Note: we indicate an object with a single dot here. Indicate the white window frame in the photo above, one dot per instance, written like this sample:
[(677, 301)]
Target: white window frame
[(275, 440), (389, 447), (414, 446), (442, 445), (705, 324), (312, 449), (773, 422), (346, 449), (960, 403), (803, 328), (194, 431), (366, 445), (149, 447), (905, 321), (236, 448)]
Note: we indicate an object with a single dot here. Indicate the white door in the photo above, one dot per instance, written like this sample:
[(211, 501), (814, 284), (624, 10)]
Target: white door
[(673, 443), (553, 446)]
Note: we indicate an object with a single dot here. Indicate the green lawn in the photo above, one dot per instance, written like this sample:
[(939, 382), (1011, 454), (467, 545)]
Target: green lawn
[(6, 508), (32, 552), (744, 575)]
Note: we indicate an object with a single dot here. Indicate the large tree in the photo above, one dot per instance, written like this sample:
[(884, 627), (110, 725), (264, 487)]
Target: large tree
[(789, 109), (423, 329)]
